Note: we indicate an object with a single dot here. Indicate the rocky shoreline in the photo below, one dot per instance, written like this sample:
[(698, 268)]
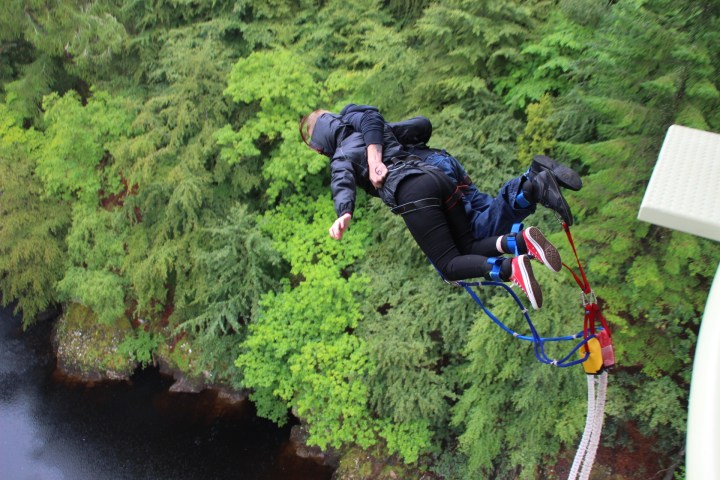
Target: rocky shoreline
[(89, 352)]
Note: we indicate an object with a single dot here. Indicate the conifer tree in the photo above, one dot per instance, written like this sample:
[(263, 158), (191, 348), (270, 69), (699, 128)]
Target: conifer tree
[(33, 226)]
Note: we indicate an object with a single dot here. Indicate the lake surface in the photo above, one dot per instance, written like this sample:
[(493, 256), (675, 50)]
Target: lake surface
[(52, 430)]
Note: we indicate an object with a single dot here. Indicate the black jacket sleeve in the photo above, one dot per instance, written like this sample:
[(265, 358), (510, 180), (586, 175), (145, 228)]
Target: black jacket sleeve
[(366, 120), (342, 185)]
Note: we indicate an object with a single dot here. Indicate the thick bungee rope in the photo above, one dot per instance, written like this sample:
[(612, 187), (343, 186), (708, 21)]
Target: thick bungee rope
[(587, 449), (587, 432)]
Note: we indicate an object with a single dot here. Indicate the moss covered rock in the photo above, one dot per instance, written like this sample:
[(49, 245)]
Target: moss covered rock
[(88, 350), (375, 464)]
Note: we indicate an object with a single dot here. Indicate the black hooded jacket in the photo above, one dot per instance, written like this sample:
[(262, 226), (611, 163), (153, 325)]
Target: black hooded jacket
[(338, 137)]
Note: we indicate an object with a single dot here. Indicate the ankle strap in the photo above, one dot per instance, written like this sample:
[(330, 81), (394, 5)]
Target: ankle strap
[(521, 201), (496, 263), (512, 238)]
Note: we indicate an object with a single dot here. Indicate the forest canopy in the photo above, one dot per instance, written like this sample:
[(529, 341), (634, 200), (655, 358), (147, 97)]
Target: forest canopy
[(151, 167)]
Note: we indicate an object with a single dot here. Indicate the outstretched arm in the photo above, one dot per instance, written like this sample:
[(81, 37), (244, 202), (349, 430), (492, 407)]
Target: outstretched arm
[(342, 185)]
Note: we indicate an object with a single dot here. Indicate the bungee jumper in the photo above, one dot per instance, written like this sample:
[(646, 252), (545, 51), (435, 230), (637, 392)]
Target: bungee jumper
[(365, 152)]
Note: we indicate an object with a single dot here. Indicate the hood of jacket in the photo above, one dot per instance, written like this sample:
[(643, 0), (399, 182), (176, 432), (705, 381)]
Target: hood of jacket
[(328, 133)]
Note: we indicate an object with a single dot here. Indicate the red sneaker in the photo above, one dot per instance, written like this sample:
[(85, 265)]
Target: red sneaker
[(541, 249), (522, 276)]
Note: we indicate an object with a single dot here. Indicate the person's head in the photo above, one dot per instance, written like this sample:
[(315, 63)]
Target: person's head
[(323, 131), (307, 127)]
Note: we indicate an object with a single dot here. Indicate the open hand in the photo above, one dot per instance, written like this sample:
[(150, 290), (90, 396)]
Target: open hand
[(340, 225)]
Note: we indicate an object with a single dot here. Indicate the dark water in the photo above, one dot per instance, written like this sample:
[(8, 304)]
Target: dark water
[(50, 430)]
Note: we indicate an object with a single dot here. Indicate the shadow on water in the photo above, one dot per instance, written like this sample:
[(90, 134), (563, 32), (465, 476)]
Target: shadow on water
[(51, 429)]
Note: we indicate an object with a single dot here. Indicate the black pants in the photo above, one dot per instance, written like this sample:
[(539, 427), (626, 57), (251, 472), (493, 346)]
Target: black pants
[(443, 231)]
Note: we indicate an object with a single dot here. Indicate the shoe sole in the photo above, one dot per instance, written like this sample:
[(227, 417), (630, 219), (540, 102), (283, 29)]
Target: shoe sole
[(566, 177), (540, 248), (532, 287), (565, 214)]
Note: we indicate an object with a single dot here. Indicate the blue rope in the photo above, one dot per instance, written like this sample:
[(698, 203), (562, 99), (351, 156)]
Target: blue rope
[(534, 337)]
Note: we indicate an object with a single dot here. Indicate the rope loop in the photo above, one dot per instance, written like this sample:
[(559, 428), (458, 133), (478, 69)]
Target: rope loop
[(533, 337)]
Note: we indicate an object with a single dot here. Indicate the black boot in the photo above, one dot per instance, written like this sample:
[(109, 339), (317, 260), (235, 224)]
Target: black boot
[(566, 177), (544, 190)]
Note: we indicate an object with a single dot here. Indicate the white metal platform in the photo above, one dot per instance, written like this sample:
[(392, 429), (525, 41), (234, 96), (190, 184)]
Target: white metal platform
[(684, 194), (684, 190)]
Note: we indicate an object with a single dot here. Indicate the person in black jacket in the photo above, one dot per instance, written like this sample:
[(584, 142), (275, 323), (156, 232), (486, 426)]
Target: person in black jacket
[(426, 198)]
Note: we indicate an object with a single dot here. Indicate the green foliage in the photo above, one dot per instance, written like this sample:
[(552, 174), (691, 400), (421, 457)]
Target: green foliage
[(216, 358), (78, 139), (414, 340), (88, 35), (538, 137), (655, 299), (241, 265), (281, 99), (309, 244), (96, 252), (368, 55), (150, 166), (299, 353), (178, 186), (96, 289), (24, 94), (33, 226), (549, 60), (139, 347), (467, 44), (67, 39), (75, 165), (503, 411)]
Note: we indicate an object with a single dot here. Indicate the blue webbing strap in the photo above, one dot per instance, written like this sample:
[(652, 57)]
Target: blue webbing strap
[(512, 238), (512, 244), (535, 338), (521, 201), (496, 263)]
